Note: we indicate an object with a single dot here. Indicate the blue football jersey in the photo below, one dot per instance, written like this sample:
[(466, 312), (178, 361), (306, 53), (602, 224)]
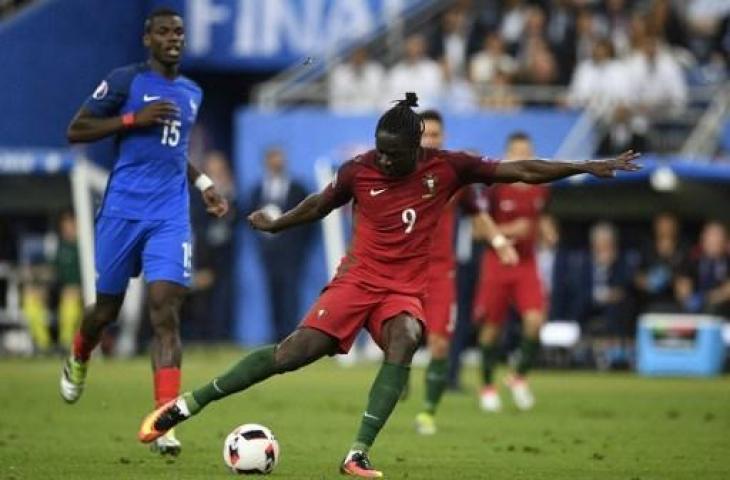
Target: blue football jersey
[(149, 179)]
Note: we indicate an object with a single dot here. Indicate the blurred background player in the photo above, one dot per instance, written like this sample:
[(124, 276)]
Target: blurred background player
[(68, 281), (399, 190), (53, 279), (516, 209), (144, 221), (440, 302)]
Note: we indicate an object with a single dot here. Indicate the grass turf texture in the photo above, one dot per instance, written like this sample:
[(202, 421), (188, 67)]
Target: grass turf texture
[(585, 426)]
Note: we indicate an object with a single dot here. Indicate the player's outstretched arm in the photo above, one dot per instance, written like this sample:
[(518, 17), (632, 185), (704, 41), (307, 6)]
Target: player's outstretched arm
[(543, 171), (86, 127), (314, 207)]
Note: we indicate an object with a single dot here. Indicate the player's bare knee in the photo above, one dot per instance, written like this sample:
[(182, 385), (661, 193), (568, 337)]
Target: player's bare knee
[(403, 339), (288, 359), (104, 312), (438, 346), (489, 333)]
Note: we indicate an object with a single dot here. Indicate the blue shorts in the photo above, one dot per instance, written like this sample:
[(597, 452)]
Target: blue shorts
[(162, 249)]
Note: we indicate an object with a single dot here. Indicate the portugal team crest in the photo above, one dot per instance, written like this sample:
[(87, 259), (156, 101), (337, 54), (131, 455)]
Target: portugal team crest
[(430, 182)]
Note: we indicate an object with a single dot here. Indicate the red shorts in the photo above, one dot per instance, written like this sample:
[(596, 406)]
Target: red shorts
[(345, 306), (502, 285), (440, 302)]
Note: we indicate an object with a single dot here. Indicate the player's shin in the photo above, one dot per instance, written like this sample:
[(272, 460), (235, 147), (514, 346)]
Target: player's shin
[(436, 378), (251, 369), (383, 397), (489, 362), (529, 349)]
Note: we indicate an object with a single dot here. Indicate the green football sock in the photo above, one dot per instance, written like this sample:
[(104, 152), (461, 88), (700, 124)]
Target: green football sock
[(435, 382), (528, 354), (383, 396), (489, 362), (251, 369)]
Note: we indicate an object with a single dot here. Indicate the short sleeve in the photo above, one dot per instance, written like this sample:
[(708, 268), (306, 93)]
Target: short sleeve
[(111, 93), (472, 168), (340, 190)]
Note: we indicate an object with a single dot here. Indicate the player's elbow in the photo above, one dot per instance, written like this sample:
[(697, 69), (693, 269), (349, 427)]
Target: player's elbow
[(531, 172), (526, 175)]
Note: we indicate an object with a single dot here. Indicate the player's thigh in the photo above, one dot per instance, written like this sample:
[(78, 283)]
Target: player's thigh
[(440, 305), (529, 294), (493, 298), (164, 300), (341, 311), (168, 252), (395, 305), (117, 254)]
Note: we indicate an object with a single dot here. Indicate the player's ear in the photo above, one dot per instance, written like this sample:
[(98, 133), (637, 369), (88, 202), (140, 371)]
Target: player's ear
[(146, 40)]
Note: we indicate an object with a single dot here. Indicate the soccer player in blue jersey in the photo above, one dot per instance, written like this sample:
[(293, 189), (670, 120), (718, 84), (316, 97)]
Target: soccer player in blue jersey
[(144, 222)]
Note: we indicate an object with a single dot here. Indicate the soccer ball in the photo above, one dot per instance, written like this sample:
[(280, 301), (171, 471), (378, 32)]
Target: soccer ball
[(251, 448)]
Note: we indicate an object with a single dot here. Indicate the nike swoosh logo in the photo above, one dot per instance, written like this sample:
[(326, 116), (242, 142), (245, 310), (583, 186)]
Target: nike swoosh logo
[(375, 193), (367, 415), (149, 98)]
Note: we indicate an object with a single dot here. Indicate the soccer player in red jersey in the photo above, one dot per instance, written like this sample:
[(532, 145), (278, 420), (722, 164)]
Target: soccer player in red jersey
[(399, 191), (517, 209), (440, 300)]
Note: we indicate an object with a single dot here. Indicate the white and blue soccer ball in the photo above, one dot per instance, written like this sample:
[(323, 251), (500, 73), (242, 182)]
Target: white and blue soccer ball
[(251, 449)]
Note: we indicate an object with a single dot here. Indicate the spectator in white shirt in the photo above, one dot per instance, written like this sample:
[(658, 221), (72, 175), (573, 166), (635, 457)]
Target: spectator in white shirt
[(513, 21), (657, 83), (416, 73), (598, 82), (355, 86), (485, 64), (450, 44)]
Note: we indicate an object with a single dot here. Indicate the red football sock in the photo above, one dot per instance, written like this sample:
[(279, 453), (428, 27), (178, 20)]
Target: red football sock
[(82, 347), (167, 384)]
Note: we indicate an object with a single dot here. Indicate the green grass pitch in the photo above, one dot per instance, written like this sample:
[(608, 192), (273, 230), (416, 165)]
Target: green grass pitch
[(585, 426)]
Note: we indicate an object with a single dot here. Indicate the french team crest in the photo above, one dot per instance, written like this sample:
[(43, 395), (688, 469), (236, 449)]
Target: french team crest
[(430, 182)]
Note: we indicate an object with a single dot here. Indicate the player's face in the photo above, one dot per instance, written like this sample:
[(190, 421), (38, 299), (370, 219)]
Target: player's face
[(433, 134), (396, 156), (519, 150), (165, 39)]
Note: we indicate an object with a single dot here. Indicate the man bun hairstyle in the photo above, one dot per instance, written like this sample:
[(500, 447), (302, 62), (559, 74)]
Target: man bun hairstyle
[(402, 120)]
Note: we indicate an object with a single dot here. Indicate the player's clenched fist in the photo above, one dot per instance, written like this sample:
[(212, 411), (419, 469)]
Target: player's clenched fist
[(260, 220), (156, 112), (215, 204)]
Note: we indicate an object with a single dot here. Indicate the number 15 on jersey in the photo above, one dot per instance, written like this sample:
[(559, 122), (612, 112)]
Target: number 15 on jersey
[(171, 133)]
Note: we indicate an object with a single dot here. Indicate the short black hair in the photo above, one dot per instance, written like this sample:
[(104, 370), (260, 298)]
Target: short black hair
[(517, 136), (432, 115), (159, 12), (402, 120)]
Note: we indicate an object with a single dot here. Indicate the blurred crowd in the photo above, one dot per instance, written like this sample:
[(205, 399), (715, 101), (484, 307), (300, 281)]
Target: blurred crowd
[(605, 288), (629, 61)]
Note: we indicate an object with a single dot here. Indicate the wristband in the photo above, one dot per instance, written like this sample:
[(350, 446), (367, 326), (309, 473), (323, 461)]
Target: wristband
[(203, 182), (499, 241), (128, 120)]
